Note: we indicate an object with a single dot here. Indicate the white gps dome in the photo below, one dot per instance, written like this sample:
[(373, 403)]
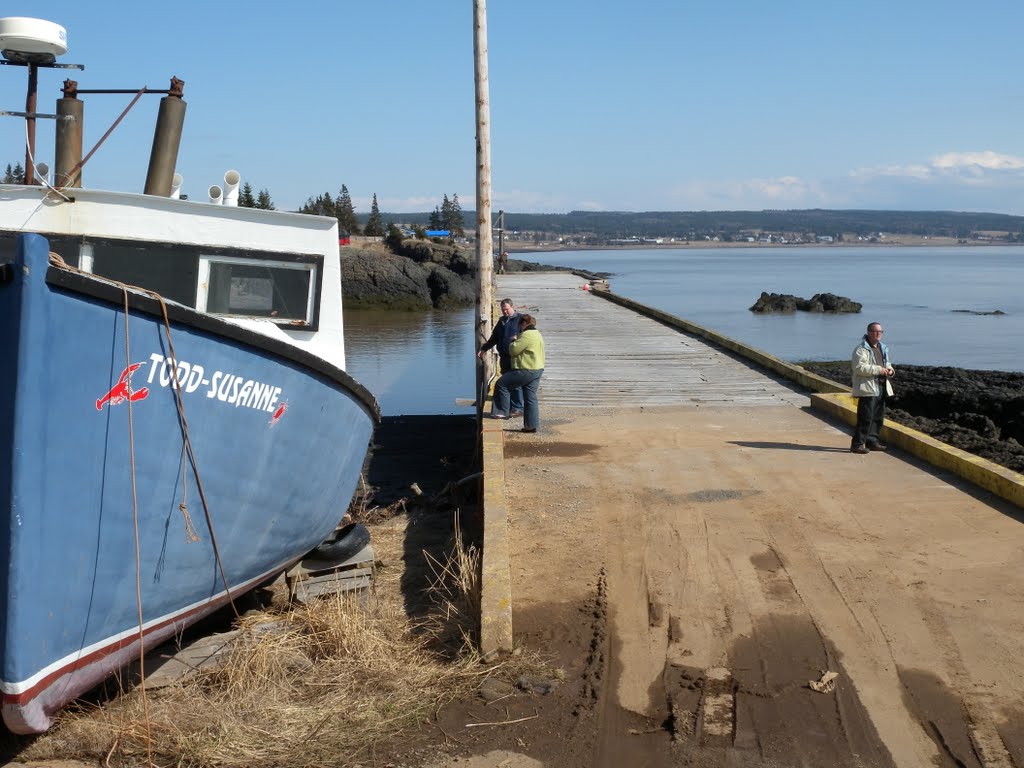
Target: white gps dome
[(32, 41)]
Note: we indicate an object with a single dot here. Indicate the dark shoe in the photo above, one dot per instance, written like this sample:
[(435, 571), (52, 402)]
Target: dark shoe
[(878, 447), (515, 414), (859, 449), (529, 429)]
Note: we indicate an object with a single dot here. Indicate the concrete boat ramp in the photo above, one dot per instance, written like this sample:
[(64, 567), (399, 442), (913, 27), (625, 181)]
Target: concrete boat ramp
[(724, 583)]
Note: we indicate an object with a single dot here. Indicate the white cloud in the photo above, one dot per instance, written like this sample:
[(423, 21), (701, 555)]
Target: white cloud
[(745, 194), (986, 160), (971, 168), (892, 171)]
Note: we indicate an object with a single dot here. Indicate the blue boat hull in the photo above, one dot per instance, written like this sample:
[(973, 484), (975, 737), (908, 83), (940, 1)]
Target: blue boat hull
[(105, 542)]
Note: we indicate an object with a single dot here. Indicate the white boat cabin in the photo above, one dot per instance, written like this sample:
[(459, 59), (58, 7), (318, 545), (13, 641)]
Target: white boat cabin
[(275, 273)]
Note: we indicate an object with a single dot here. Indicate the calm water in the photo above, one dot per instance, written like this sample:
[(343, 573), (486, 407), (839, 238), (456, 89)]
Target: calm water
[(913, 292), (414, 363), (419, 363)]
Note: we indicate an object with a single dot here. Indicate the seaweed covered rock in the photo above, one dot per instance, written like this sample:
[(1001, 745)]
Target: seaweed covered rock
[(819, 302), (775, 302), (977, 411), (829, 302), (517, 265)]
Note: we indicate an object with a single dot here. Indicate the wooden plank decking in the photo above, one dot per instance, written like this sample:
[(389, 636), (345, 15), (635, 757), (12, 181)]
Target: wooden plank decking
[(602, 355)]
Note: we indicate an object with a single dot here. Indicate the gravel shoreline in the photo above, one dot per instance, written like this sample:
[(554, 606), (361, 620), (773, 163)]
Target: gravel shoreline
[(977, 411)]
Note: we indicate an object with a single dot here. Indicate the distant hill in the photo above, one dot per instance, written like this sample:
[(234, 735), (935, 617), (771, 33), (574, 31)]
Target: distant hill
[(728, 225)]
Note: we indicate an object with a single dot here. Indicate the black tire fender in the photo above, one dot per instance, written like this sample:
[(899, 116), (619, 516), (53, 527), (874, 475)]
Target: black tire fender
[(342, 544)]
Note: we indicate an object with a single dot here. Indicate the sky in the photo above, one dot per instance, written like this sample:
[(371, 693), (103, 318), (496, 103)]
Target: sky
[(667, 105)]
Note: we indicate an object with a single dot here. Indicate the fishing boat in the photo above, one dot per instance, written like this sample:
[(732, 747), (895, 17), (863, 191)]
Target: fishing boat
[(176, 422)]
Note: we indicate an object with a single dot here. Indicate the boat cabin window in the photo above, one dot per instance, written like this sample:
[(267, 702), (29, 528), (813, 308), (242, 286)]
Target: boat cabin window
[(65, 247), (165, 269), (283, 291), (280, 287)]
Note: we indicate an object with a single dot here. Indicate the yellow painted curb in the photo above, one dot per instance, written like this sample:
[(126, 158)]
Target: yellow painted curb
[(837, 401), (1003, 482), (496, 572), (496, 582)]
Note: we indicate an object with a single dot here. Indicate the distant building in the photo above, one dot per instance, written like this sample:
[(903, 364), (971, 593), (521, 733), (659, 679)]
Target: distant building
[(438, 233)]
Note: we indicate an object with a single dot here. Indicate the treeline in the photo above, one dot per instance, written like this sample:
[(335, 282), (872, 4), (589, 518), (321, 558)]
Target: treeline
[(729, 225), (15, 175), (447, 216)]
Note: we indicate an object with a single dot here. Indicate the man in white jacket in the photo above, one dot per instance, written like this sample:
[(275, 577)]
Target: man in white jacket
[(871, 373)]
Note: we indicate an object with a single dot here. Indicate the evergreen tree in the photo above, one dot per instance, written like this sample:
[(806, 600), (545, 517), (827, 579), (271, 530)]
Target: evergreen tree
[(450, 217), (446, 213), (346, 212), (374, 224), (393, 238), (264, 202), (455, 224), (322, 205), (19, 174), (435, 219), (245, 197), (8, 175)]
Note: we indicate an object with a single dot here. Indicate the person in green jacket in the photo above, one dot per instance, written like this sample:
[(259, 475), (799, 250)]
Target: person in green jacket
[(527, 354)]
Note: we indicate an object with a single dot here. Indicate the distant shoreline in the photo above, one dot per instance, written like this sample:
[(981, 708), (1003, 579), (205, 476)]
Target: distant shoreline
[(902, 241)]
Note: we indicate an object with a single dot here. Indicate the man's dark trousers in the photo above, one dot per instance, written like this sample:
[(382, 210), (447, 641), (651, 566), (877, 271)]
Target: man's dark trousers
[(870, 413)]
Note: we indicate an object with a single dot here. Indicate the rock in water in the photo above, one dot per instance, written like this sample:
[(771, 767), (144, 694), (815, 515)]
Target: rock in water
[(820, 302), (775, 302)]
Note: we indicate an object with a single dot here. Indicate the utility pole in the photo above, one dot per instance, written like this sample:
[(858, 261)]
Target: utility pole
[(484, 246), (501, 232)]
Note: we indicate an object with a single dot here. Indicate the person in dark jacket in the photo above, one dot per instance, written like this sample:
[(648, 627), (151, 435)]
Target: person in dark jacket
[(527, 367), (505, 332)]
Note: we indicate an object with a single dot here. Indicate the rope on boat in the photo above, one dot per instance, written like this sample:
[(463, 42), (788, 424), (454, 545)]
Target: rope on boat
[(138, 559), (190, 531), (57, 261)]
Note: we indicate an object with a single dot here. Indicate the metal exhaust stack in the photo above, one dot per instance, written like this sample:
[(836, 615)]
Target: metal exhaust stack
[(67, 165), (166, 140)]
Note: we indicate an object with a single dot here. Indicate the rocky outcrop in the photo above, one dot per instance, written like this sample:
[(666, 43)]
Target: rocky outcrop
[(375, 279), (977, 411), (517, 265), (423, 274), (820, 302)]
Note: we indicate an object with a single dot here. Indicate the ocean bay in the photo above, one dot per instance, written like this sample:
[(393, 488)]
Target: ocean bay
[(421, 362), (925, 296)]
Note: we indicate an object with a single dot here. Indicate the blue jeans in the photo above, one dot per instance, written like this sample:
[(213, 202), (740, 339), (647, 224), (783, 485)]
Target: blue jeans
[(505, 361), (511, 381)]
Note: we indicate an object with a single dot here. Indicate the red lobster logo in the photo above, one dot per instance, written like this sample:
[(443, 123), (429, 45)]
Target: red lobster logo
[(123, 389)]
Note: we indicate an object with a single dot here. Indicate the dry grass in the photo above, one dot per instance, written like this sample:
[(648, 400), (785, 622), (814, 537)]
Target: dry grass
[(455, 590), (320, 684)]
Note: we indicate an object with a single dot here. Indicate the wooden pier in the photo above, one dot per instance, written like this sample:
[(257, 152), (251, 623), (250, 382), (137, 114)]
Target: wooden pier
[(697, 547), (606, 356)]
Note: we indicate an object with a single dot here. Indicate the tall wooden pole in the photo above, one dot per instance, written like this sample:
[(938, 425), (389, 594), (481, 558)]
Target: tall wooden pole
[(484, 247)]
